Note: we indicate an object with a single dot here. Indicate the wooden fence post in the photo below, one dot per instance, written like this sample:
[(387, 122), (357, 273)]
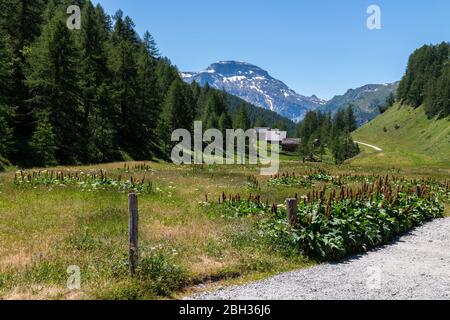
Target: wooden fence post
[(133, 227), (291, 210), (419, 191)]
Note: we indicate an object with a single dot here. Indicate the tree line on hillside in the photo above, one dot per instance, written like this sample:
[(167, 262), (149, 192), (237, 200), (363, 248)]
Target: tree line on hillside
[(98, 94), (427, 80), (260, 117), (320, 132)]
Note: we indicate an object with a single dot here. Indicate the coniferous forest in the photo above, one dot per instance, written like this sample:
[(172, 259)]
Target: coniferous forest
[(105, 93), (98, 94), (427, 80), (321, 131)]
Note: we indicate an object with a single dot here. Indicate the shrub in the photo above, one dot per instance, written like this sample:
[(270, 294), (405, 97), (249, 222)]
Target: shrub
[(161, 275), (289, 180), (238, 207), (157, 275), (347, 221), (293, 180), (86, 181), (352, 225)]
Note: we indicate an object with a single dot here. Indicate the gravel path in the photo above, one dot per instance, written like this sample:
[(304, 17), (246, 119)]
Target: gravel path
[(417, 266), (370, 146)]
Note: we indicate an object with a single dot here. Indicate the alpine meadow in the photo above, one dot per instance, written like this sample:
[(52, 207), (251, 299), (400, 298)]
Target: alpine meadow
[(93, 205)]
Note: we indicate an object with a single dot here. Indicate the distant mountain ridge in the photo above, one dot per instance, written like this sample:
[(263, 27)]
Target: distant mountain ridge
[(366, 100), (255, 86)]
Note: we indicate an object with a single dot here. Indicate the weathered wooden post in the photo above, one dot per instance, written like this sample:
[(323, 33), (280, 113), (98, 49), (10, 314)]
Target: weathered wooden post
[(419, 191), (291, 210), (133, 227)]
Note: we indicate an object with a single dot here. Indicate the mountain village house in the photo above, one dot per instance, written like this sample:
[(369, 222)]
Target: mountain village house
[(277, 136)]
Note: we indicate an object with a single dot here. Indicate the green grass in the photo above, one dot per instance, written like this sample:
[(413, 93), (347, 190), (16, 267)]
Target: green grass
[(408, 139), (46, 228)]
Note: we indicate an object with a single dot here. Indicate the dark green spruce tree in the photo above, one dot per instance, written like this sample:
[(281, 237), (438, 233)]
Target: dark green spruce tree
[(175, 114), (125, 86), (425, 80), (53, 81), (151, 45), (319, 131), (148, 106), (21, 21), (6, 110), (95, 79), (43, 142), (240, 119)]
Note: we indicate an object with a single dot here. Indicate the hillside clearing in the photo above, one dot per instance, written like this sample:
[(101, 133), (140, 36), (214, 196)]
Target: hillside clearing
[(408, 138)]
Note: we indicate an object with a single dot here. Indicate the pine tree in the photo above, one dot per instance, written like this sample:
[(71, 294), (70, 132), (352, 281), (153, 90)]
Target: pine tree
[(280, 125), (125, 86), (166, 74), (6, 111), (196, 94), (6, 132), (94, 82), (445, 91), (225, 122), (190, 107), (172, 114), (21, 21), (240, 119), (202, 101), (214, 107), (322, 151), (424, 80), (105, 20), (390, 100), (337, 149), (437, 102), (340, 123), (210, 118), (151, 46), (148, 107), (318, 130), (260, 123), (43, 143), (304, 149), (350, 119), (53, 83)]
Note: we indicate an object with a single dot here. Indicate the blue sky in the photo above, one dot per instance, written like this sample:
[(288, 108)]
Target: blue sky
[(320, 47)]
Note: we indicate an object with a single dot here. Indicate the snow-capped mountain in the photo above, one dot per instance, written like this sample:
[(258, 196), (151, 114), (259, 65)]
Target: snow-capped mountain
[(256, 86)]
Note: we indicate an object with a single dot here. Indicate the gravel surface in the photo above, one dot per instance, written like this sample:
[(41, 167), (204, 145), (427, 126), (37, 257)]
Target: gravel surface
[(370, 146), (417, 266)]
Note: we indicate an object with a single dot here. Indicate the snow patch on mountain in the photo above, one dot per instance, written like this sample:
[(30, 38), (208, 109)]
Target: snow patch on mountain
[(256, 86)]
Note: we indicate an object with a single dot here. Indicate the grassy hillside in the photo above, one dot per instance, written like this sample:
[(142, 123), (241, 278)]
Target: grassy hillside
[(407, 137)]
